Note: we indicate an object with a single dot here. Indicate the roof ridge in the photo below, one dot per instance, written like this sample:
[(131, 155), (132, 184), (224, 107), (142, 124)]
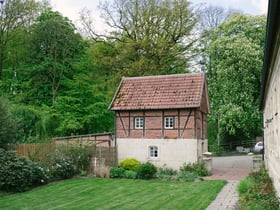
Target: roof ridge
[(166, 75)]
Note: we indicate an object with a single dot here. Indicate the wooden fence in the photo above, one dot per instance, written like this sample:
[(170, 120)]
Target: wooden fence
[(99, 139), (102, 156), (34, 151), (232, 145)]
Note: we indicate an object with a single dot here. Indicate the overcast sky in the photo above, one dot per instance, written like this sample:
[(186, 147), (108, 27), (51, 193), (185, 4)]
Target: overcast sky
[(71, 8)]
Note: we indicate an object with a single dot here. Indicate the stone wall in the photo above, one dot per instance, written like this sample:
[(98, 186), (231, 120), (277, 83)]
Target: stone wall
[(271, 118), (172, 153)]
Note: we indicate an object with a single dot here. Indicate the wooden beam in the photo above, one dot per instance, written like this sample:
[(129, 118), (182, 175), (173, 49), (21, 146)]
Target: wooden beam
[(186, 123), (123, 125)]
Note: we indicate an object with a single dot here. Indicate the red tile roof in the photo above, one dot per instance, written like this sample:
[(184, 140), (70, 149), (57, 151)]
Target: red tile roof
[(159, 92)]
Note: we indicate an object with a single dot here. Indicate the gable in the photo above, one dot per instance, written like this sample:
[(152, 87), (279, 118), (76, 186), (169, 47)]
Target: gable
[(160, 92)]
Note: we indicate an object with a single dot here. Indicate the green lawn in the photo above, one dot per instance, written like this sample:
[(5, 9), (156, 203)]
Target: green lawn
[(91, 193)]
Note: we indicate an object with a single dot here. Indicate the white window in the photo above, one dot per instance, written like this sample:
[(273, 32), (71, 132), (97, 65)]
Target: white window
[(169, 122), (153, 151), (139, 122)]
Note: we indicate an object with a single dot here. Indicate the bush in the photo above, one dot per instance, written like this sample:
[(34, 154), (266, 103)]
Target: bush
[(166, 174), (130, 164), (130, 174), (117, 172), (18, 174), (146, 171), (61, 166), (198, 168), (80, 156), (65, 162)]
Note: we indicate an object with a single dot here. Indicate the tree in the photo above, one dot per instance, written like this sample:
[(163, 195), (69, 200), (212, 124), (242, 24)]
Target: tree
[(7, 124), (234, 70), (83, 107), (14, 14), (212, 16), (54, 45), (148, 37)]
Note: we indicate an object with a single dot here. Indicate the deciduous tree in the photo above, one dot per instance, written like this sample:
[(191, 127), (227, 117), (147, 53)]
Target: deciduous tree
[(149, 36), (14, 15), (234, 70), (55, 44)]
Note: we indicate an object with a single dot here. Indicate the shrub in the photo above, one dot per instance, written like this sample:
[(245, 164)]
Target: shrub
[(198, 168), (61, 166), (130, 174), (80, 156), (68, 161), (130, 164), (116, 172), (166, 174), (146, 171), (18, 174)]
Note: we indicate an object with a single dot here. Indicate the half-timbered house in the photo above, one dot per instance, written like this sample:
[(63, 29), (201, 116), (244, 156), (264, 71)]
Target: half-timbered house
[(162, 119)]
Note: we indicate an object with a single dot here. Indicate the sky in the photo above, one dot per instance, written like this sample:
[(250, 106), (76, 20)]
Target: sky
[(71, 8)]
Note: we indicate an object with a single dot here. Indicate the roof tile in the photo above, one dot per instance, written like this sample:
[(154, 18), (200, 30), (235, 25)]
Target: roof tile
[(159, 92)]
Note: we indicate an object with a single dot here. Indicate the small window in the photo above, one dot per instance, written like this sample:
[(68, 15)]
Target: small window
[(139, 122), (153, 151), (169, 122)]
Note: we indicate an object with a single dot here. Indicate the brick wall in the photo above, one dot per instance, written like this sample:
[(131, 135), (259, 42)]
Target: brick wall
[(188, 123)]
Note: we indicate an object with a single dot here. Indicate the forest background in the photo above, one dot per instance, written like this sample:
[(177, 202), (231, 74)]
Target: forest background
[(57, 79)]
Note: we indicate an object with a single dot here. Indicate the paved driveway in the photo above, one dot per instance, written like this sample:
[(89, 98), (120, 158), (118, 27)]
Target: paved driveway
[(244, 161), (233, 168)]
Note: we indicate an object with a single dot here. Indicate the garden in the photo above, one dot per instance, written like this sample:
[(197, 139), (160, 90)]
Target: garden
[(61, 180), (256, 191)]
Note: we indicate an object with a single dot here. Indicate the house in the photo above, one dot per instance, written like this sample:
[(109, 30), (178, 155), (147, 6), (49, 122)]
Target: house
[(162, 119), (270, 94)]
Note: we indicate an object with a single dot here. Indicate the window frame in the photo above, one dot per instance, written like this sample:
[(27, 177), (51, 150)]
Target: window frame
[(139, 123), (169, 122), (153, 152)]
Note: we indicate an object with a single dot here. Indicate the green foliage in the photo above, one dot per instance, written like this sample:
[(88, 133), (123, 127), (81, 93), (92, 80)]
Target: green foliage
[(61, 166), (166, 174), (233, 63), (16, 17), (197, 168), (8, 126), (18, 174), (67, 161), (32, 124), (116, 172), (149, 38), (146, 171), (80, 156), (130, 174), (54, 47), (257, 192), (245, 185), (130, 164)]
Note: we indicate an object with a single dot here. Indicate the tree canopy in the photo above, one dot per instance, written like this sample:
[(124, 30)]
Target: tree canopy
[(149, 37), (234, 64), (56, 82)]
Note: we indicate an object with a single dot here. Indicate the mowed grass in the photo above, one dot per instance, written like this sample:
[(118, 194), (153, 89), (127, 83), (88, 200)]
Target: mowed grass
[(93, 193)]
